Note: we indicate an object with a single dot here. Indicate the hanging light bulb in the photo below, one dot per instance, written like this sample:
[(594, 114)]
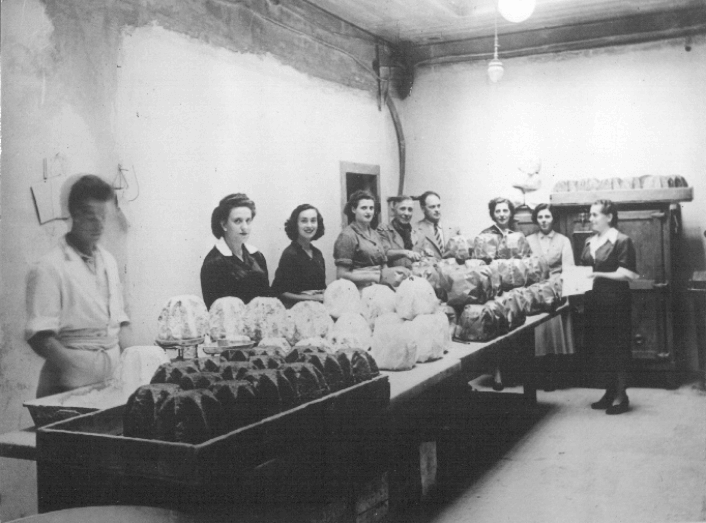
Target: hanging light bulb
[(495, 66), (516, 10)]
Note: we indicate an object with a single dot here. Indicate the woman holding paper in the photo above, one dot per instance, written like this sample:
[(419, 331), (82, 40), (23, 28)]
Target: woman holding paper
[(554, 337), (608, 306)]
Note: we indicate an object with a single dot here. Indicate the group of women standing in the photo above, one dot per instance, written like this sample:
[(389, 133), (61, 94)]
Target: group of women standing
[(367, 253)]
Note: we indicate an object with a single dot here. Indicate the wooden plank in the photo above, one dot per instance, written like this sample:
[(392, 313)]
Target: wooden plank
[(21, 444), (671, 195)]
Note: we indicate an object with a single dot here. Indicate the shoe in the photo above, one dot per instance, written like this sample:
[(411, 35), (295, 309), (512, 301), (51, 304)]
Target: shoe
[(604, 403), (498, 386), (619, 408)]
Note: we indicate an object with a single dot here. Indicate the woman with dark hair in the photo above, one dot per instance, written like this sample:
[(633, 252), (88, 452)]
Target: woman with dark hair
[(608, 305), (502, 212), (359, 253), (554, 337), (232, 267), (398, 236), (301, 274)]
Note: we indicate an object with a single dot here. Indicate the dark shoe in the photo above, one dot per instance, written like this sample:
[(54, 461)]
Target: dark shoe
[(604, 403), (619, 408), (498, 385)]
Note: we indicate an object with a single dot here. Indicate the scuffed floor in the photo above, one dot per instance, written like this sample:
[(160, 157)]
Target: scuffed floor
[(568, 463)]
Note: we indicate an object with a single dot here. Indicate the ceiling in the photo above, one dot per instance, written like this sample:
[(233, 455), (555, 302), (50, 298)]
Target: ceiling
[(443, 29)]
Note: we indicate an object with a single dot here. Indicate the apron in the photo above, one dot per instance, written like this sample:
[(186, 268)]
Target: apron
[(93, 354)]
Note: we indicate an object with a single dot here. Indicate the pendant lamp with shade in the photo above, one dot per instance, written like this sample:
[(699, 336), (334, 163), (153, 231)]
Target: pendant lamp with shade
[(495, 66)]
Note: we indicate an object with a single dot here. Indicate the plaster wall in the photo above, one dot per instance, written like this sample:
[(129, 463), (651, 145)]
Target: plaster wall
[(623, 111), (190, 121)]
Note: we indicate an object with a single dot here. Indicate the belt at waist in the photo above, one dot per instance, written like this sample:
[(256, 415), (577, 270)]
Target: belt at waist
[(88, 339)]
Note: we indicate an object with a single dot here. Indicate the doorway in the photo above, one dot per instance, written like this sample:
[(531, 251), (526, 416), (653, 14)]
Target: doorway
[(357, 177)]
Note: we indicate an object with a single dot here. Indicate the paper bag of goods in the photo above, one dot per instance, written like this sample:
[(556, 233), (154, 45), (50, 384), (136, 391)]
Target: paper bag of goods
[(477, 323), (309, 319), (514, 245), (394, 343), (537, 269), (351, 331), (513, 273), (432, 334), (267, 318), (533, 302), (137, 366), (514, 311), (428, 269), (183, 318), (458, 247), (415, 296), (467, 286), (377, 300), (227, 319), (342, 296), (548, 295), (485, 246)]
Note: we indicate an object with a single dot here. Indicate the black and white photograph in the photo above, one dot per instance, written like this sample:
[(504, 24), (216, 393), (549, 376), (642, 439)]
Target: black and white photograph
[(353, 261)]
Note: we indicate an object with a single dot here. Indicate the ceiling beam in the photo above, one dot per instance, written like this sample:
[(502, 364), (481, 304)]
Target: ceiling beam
[(613, 32)]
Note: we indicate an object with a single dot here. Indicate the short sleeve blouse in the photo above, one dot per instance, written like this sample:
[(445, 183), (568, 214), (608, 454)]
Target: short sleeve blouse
[(356, 249)]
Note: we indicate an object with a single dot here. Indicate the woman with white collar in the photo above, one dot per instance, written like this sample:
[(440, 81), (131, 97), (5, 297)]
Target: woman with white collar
[(232, 267), (608, 305)]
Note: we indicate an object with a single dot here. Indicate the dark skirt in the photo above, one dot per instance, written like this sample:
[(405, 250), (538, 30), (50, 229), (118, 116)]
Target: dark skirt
[(608, 310)]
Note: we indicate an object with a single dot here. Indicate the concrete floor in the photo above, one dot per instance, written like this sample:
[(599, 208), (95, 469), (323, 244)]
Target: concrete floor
[(568, 463)]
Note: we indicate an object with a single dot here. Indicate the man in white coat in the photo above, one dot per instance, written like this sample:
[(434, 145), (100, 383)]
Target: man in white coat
[(75, 306)]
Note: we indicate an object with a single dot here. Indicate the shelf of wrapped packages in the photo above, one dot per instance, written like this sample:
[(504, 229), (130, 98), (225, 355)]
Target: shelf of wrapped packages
[(20, 444), (665, 195), (405, 385)]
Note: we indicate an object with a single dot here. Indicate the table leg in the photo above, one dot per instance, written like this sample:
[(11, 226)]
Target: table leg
[(529, 382)]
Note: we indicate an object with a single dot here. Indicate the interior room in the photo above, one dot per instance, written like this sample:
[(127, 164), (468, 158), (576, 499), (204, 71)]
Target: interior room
[(176, 104)]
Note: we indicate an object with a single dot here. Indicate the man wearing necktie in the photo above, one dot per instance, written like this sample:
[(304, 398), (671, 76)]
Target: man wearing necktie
[(432, 235)]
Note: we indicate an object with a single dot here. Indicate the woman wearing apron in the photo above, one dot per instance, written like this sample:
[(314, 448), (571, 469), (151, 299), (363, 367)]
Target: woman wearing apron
[(608, 305), (359, 252), (554, 337), (75, 309), (232, 267)]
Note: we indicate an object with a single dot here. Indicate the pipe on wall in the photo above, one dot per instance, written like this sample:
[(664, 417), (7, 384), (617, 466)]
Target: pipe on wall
[(401, 146)]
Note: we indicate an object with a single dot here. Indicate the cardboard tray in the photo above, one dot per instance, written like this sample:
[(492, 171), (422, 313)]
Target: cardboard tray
[(82, 400), (95, 441)]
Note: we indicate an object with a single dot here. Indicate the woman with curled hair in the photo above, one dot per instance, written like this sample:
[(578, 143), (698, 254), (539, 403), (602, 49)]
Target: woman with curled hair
[(608, 305), (233, 267), (359, 252), (301, 274), (554, 337)]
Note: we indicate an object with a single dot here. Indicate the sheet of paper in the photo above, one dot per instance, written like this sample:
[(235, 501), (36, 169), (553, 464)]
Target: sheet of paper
[(576, 280), (47, 199)]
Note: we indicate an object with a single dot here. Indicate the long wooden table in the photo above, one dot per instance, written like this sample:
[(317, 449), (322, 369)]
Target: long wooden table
[(404, 386), (463, 358)]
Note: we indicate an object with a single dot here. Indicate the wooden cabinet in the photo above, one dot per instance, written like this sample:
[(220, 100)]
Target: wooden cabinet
[(654, 227)]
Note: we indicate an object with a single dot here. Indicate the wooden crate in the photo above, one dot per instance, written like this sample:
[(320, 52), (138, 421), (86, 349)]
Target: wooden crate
[(286, 457)]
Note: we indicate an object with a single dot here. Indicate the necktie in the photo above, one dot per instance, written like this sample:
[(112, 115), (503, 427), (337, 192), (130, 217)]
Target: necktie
[(439, 242)]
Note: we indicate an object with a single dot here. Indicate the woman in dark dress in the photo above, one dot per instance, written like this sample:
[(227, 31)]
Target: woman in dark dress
[(232, 267), (608, 305), (301, 274)]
